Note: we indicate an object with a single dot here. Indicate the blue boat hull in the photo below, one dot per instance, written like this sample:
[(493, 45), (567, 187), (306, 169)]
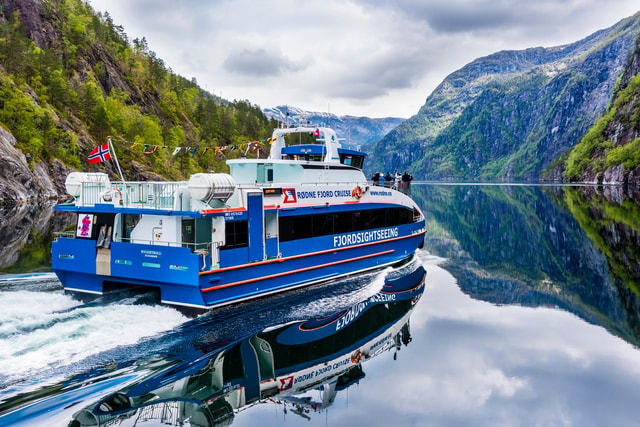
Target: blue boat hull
[(183, 277)]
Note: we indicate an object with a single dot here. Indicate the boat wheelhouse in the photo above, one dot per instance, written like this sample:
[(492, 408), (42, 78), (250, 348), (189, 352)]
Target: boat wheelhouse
[(305, 214)]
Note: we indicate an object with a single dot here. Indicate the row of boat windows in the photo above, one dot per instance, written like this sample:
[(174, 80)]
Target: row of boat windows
[(345, 159), (324, 224), (290, 227)]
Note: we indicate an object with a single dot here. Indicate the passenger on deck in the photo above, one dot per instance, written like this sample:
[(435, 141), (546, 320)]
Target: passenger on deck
[(388, 180), (376, 178), (406, 182)]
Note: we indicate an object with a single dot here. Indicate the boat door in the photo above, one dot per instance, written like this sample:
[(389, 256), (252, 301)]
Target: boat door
[(272, 248), (256, 225), (104, 224)]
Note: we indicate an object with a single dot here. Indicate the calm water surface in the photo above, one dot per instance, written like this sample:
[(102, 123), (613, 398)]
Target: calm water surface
[(529, 316)]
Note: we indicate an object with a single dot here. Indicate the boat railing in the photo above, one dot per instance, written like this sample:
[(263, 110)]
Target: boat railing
[(152, 195), (202, 248)]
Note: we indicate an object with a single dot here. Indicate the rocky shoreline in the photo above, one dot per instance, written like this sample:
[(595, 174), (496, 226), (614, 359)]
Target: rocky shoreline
[(23, 181)]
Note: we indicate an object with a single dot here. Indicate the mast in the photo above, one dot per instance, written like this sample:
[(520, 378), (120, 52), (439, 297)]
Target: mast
[(115, 158)]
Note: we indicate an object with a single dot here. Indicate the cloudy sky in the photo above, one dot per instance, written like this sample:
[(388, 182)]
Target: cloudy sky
[(371, 58)]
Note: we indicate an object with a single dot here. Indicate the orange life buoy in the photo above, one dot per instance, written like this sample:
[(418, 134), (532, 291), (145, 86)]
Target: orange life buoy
[(357, 192), (117, 190)]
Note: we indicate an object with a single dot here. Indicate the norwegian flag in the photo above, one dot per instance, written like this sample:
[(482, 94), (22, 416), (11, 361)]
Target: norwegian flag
[(100, 154)]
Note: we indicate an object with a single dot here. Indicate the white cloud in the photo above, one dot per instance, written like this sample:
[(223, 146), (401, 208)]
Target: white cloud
[(358, 57)]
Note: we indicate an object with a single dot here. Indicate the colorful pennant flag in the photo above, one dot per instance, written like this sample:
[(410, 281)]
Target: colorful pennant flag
[(149, 149)]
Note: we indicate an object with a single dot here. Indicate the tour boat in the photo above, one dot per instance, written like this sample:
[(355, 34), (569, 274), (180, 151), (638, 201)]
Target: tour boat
[(303, 215)]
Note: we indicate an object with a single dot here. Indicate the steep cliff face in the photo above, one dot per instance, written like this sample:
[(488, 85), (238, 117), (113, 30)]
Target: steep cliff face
[(610, 152), (24, 179), (509, 115), (24, 183)]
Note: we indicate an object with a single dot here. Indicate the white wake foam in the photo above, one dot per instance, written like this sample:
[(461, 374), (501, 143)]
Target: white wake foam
[(40, 331), (354, 291)]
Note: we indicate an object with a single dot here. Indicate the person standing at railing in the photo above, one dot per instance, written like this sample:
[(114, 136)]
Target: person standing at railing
[(406, 182)]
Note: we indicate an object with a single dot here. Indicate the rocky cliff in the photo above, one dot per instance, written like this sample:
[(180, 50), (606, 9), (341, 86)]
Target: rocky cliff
[(25, 178), (507, 116), (21, 182), (610, 152)]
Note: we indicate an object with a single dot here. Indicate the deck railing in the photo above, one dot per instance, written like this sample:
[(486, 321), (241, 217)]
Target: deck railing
[(153, 195)]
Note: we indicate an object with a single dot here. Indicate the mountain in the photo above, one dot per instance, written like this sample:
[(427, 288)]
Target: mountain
[(362, 131), (69, 78), (510, 115), (610, 151)]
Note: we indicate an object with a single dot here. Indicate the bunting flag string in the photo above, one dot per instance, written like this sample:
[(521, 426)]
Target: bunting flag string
[(199, 149), (252, 146)]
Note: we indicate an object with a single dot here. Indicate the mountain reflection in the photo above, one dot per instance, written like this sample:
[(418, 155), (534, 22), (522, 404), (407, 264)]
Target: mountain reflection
[(300, 365), (577, 248)]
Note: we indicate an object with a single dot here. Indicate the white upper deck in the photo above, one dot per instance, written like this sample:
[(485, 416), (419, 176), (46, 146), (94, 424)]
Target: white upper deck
[(322, 134), (315, 163)]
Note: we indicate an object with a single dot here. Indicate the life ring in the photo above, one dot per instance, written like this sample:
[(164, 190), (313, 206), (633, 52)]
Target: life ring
[(356, 357), (119, 193), (357, 192)]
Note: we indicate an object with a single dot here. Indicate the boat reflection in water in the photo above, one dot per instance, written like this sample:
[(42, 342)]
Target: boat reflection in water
[(301, 365)]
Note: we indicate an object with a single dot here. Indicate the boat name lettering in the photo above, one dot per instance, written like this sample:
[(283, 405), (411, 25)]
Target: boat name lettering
[(304, 377), (350, 315), (364, 237), (306, 194), (292, 196), (343, 362), (233, 214), (151, 254), (381, 341), (383, 298), (323, 370), (380, 193), (229, 387)]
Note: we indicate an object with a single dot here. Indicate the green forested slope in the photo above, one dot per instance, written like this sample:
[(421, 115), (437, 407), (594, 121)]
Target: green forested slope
[(610, 151), (70, 77)]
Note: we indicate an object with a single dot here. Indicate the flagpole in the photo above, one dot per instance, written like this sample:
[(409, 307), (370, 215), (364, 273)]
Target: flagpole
[(115, 158)]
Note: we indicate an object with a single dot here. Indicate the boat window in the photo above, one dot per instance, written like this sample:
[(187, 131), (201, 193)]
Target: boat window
[(306, 157), (306, 226), (298, 227), (352, 160), (129, 222), (236, 234), (264, 173)]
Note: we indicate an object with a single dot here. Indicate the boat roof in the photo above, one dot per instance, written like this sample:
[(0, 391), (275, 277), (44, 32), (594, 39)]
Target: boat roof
[(328, 144)]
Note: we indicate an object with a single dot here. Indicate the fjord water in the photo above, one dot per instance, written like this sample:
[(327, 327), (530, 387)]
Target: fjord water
[(530, 316)]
